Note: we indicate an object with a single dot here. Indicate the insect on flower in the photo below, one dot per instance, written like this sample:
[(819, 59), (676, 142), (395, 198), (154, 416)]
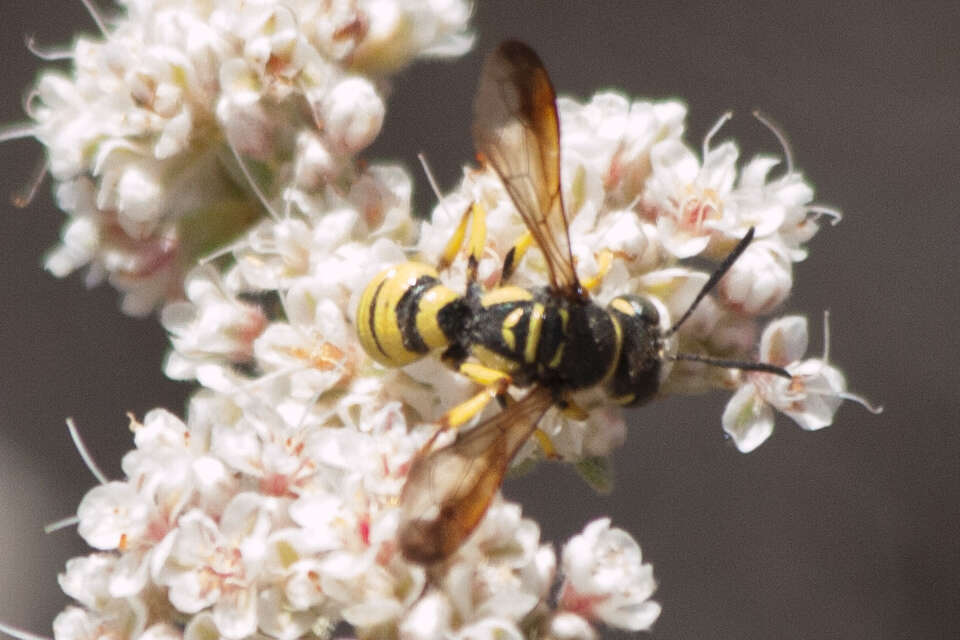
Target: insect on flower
[(554, 339)]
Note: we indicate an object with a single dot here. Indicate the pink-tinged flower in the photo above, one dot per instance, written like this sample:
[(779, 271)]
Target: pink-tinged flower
[(606, 580), (213, 330), (810, 397), (688, 198), (209, 564), (565, 625)]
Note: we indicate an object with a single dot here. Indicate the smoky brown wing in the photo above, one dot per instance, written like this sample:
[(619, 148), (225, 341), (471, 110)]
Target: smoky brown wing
[(449, 489), (516, 130)]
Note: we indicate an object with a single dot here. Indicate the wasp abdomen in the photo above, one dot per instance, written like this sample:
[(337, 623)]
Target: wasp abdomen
[(400, 317)]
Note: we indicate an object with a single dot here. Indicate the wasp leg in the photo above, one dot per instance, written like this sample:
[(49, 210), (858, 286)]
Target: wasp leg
[(476, 216), (495, 383), (545, 444), (549, 451), (604, 262), (514, 256)]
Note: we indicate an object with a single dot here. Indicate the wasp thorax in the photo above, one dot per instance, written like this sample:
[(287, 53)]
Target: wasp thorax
[(399, 317), (637, 375)]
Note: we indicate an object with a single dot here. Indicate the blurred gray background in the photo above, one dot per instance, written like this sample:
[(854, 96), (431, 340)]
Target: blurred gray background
[(850, 532)]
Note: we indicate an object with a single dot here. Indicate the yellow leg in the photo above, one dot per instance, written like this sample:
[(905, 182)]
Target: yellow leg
[(604, 262), (476, 215), (495, 383), (456, 240), (515, 255), (574, 411), (545, 445)]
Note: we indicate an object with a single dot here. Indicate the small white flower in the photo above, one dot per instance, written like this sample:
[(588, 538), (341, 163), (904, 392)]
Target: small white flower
[(491, 628), (606, 579), (213, 329), (565, 625), (206, 565), (687, 197), (353, 112), (810, 397), (759, 281)]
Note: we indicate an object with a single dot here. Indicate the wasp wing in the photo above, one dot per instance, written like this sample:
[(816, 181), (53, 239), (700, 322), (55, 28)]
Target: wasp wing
[(449, 489), (516, 130)]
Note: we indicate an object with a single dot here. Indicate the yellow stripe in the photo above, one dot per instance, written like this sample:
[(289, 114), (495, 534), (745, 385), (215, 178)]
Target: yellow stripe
[(533, 332), (429, 306), (505, 294), (507, 329), (509, 339), (618, 337), (557, 357)]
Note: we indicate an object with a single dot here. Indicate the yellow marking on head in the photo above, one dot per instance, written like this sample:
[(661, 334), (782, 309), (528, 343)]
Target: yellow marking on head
[(493, 359), (505, 294), (626, 399), (623, 307), (618, 341), (557, 356), (564, 318), (533, 332)]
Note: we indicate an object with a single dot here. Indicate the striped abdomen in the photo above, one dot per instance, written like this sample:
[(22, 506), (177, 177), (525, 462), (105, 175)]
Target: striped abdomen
[(399, 317)]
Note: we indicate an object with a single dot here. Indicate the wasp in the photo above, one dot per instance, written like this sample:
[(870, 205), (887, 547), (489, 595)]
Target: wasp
[(553, 339)]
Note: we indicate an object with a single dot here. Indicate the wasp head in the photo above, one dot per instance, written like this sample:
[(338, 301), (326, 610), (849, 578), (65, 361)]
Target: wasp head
[(638, 369)]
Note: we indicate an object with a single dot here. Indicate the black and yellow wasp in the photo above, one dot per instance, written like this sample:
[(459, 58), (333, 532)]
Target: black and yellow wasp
[(554, 339)]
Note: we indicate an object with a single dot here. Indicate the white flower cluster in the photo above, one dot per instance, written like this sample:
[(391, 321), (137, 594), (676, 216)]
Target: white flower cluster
[(272, 509), (142, 135)]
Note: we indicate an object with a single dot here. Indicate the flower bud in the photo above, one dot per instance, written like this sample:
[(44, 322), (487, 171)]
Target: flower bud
[(759, 281), (352, 114)]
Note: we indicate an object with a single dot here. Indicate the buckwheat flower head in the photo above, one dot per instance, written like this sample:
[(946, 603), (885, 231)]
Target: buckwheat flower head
[(606, 580), (149, 131), (274, 507)]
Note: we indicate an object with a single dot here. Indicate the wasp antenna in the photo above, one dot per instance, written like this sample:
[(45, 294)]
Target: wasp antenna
[(733, 364), (718, 273)]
